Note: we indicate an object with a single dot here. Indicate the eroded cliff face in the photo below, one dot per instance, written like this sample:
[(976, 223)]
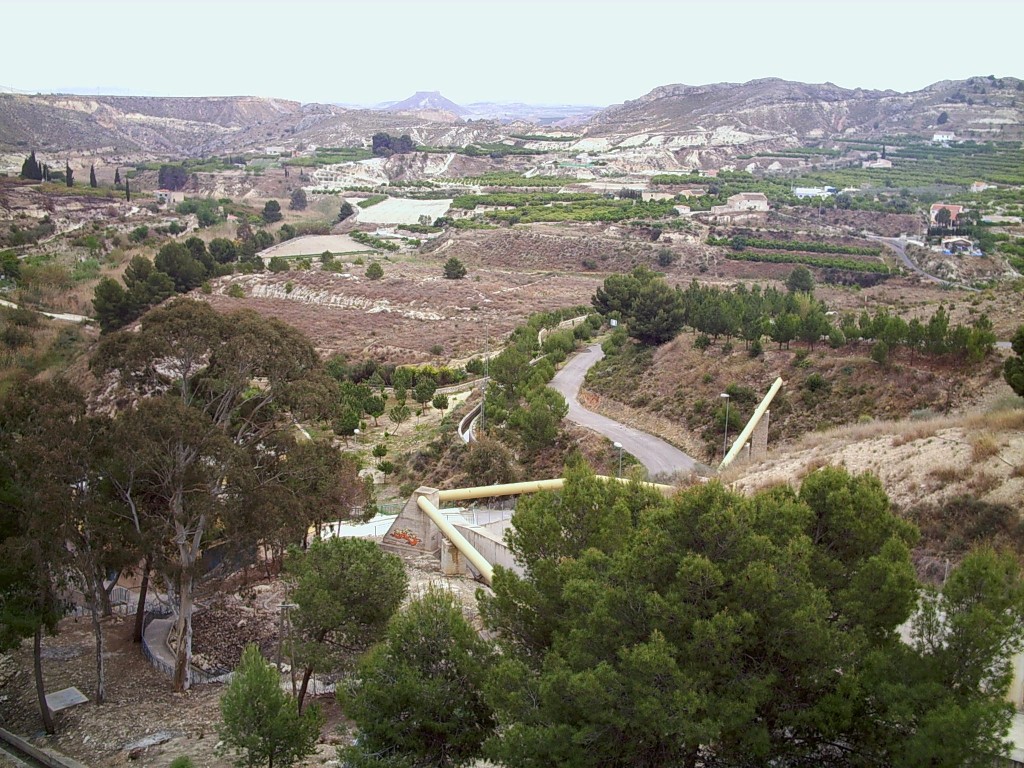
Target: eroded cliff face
[(981, 108), (672, 127)]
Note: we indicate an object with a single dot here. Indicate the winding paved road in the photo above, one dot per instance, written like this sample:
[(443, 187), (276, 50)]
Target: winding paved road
[(900, 247), (654, 453)]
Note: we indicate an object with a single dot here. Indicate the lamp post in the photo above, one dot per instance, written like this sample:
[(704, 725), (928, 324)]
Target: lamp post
[(725, 438), (619, 446)]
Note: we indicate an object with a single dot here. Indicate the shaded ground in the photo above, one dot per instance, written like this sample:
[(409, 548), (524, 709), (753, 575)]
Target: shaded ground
[(139, 699)]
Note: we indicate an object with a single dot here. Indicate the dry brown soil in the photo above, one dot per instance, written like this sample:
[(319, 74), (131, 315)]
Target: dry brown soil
[(139, 698)]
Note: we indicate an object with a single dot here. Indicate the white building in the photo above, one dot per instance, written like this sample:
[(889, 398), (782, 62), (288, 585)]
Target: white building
[(805, 192)]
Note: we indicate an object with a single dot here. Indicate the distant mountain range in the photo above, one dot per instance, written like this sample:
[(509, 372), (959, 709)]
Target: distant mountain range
[(731, 118)]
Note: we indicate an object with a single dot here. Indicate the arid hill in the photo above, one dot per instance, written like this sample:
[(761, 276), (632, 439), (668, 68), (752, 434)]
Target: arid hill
[(200, 126), (980, 108), (659, 129)]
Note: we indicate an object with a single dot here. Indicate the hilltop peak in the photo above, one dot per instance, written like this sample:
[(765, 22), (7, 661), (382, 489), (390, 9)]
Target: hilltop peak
[(427, 100)]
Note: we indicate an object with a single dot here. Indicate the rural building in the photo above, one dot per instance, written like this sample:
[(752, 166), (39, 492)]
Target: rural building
[(166, 197), (710, 173), (941, 137), (957, 245), (682, 210), (981, 186), (741, 206), (954, 211), (805, 192), (747, 201), (882, 162)]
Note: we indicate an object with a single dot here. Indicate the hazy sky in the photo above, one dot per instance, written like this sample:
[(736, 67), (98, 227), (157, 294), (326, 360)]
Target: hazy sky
[(556, 51)]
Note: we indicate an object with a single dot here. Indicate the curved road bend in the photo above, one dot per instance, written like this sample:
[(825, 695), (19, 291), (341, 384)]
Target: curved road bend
[(900, 247), (654, 453)]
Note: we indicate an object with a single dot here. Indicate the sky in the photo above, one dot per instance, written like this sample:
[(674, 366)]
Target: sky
[(588, 52)]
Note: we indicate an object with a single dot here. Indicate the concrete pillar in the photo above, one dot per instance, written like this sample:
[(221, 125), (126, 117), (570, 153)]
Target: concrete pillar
[(1016, 693), (759, 438), (412, 527), (452, 562)]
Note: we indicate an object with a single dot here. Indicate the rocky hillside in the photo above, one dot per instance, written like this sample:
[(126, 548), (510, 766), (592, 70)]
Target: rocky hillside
[(980, 108), (673, 127), (191, 127)]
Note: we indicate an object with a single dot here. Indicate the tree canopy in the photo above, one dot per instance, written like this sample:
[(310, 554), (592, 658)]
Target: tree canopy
[(1013, 367), (345, 591), (261, 724), (713, 629), (417, 696), (454, 269)]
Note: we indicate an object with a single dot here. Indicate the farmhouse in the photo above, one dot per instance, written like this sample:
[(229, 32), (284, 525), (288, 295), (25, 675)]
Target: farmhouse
[(744, 201), (881, 162), (954, 211), (942, 137), (981, 186)]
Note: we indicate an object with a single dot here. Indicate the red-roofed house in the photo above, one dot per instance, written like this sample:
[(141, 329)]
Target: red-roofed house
[(954, 211)]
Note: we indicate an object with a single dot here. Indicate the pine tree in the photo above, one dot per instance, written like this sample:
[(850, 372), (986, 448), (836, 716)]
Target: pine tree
[(261, 723), (127, 191), (117, 177), (69, 175), (92, 176)]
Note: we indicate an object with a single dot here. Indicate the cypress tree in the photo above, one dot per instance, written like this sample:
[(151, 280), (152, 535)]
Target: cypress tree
[(69, 175), (92, 176), (117, 177), (31, 169), (127, 191)]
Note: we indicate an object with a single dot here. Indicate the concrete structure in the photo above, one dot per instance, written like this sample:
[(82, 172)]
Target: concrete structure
[(981, 186), (941, 137), (882, 162), (423, 526)]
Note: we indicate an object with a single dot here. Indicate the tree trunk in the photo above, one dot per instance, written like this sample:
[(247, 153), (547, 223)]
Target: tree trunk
[(183, 653), (140, 609), (37, 663), (97, 628), (105, 592), (306, 674)]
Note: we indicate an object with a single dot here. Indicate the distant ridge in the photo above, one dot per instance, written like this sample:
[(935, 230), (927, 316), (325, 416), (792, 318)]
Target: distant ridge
[(427, 100)]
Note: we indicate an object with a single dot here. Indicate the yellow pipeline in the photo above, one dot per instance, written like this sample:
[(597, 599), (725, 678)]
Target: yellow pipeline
[(458, 540), (748, 430), (530, 486)]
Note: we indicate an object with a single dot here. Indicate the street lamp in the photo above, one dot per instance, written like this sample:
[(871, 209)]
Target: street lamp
[(619, 446), (725, 438)]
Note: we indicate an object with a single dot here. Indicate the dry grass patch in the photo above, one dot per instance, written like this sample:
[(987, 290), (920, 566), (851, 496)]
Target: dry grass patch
[(984, 446), (948, 475)]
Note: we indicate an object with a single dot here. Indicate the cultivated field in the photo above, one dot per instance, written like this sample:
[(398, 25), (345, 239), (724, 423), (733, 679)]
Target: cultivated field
[(314, 245), (397, 210)]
